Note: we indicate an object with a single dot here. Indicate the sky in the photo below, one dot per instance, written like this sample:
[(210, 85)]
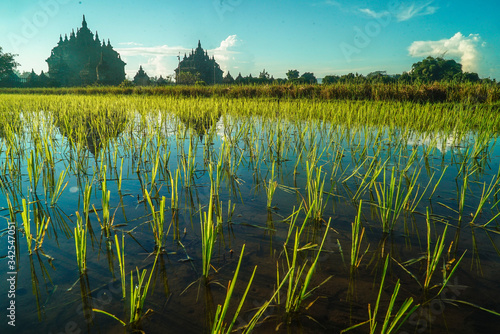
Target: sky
[(325, 37)]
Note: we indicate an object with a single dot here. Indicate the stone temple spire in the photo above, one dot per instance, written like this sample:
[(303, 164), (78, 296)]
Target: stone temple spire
[(84, 23)]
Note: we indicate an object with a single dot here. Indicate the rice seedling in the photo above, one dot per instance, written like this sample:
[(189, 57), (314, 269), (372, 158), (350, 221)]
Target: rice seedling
[(59, 187), (120, 176), (86, 200), (25, 214), (434, 258), (157, 224), (271, 188), (485, 195), (299, 278), (220, 325), (174, 199), (435, 261), (80, 235), (208, 235), (392, 322), (105, 198), (438, 182), (154, 171), (315, 185), (41, 230), (188, 164), (137, 296), (393, 197), (120, 251), (34, 170), (357, 238)]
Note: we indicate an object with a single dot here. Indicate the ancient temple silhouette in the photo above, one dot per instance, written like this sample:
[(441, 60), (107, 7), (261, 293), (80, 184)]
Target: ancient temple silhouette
[(83, 60), (141, 78), (200, 64)]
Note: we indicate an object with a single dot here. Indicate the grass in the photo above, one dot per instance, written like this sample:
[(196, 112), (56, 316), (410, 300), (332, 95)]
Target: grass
[(356, 239), (434, 92), (393, 196), (299, 277), (80, 235), (137, 297), (220, 324), (120, 252), (435, 261), (315, 189), (59, 188), (25, 214), (158, 222), (174, 198), (271, 186), (208, 235), (138, 293), (391, 322)]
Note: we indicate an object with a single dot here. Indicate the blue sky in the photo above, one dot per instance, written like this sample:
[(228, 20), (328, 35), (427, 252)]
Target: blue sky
[(323, 36)]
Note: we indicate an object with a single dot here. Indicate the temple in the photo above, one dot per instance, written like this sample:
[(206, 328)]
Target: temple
[(201, 66), (82, 60)]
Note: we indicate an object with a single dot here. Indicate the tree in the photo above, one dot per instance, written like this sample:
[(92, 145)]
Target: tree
[(435, 69), (164, 82), (264, 75), (330, 79), (466, 77), (188, 78), (309, 78), (7, 64), (292, 74)]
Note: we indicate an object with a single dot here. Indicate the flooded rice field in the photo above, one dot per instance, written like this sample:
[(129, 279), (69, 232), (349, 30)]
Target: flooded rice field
[(203, 215)]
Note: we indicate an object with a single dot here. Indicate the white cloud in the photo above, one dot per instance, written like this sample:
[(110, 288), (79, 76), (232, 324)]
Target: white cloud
[(161, 50), (223, 55), (332, 3), (374, 14), (408, 11), (162, 59), (404, 11), (465, 48), (329, 3), (155, 60), (130, 43)]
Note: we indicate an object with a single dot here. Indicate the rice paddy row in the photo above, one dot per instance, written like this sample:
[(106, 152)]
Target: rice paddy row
[(416, 92)]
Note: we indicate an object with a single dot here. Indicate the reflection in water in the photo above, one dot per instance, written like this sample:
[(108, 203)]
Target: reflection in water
[(47, 281), (200, 123), (87, 301), (93, 131)]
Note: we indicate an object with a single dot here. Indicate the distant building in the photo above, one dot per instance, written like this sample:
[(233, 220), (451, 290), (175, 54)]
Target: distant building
[(83, 60), (201, 66), (141, 78)]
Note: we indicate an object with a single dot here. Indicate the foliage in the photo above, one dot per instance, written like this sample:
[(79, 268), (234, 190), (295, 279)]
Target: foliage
[(435, 69), (292, 74), (309, 78), (7, 65), (188, 78), (126, 84)]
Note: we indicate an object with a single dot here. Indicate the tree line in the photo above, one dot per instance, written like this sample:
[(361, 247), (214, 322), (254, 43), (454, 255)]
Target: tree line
[(428, 70)]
